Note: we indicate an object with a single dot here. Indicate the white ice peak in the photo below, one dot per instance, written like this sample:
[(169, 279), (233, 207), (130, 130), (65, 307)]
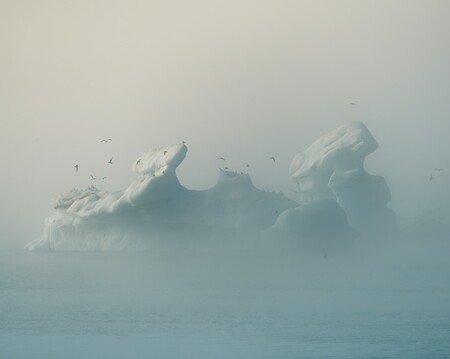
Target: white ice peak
[(158, 161), (339, 150)]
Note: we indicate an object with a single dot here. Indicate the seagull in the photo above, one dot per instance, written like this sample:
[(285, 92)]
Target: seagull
[(107, 140), (247, 166), (431, 178), (226, 168), (93, 178), (104, 178), (165, 153), (76, 168), (139, 160), (352, 104), (221, 158), (273, 159), (110, 161)]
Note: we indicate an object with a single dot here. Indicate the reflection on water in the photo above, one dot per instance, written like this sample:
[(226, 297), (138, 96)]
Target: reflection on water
[(226, 304)]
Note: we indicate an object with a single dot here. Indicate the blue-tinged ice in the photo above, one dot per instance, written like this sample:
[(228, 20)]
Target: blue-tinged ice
[(333, 167), (156, 208), (339, 200)]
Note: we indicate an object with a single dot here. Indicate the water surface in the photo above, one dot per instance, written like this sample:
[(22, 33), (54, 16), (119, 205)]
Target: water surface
[(226, 303)]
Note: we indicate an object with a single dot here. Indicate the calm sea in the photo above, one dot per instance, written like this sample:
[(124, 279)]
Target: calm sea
[(193, 303)]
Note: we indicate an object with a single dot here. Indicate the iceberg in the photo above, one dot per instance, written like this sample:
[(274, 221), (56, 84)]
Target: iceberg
[(318, 225), (156, 208), (339, 199), (333, 167)]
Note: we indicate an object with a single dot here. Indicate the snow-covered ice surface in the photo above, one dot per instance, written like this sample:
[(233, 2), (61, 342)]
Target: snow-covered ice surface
[(156, 208), (333, 166), (221, 304), (342, 149), (337, 193)]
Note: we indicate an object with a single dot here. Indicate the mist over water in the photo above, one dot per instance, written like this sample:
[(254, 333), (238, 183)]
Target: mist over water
[(389, 301), (225, 274), (161, 270)]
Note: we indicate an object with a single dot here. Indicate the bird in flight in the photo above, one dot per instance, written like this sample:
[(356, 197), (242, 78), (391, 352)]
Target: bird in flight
[(106, 140), (352, 104), (76, 168), (93, 178), (431, 178), (138, 161), (165, 153), (104, 178), (110, 161), (247, 165), (221, 158), (273, 159)]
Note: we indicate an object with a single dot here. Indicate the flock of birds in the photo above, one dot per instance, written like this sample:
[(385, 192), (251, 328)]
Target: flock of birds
[(433, 175), (93, 178), (219, 158)]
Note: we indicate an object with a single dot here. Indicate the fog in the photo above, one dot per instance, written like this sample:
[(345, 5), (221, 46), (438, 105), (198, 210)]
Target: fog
[(246, 81), (254, 77), (219, 303)]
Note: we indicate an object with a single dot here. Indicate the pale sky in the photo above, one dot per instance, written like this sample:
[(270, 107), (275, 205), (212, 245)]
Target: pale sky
[(246, 80)]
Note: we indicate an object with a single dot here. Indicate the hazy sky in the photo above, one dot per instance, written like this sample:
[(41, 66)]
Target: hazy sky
[(246, 80)]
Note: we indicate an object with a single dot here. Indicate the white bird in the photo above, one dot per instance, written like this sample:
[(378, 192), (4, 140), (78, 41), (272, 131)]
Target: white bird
[(110, 161), (273, 159), (76, 168), (93, 178)]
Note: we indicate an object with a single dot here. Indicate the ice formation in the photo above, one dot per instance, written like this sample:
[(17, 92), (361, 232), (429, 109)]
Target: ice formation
[(339, 198), (319, 225), (333, 167), (156, 207)]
